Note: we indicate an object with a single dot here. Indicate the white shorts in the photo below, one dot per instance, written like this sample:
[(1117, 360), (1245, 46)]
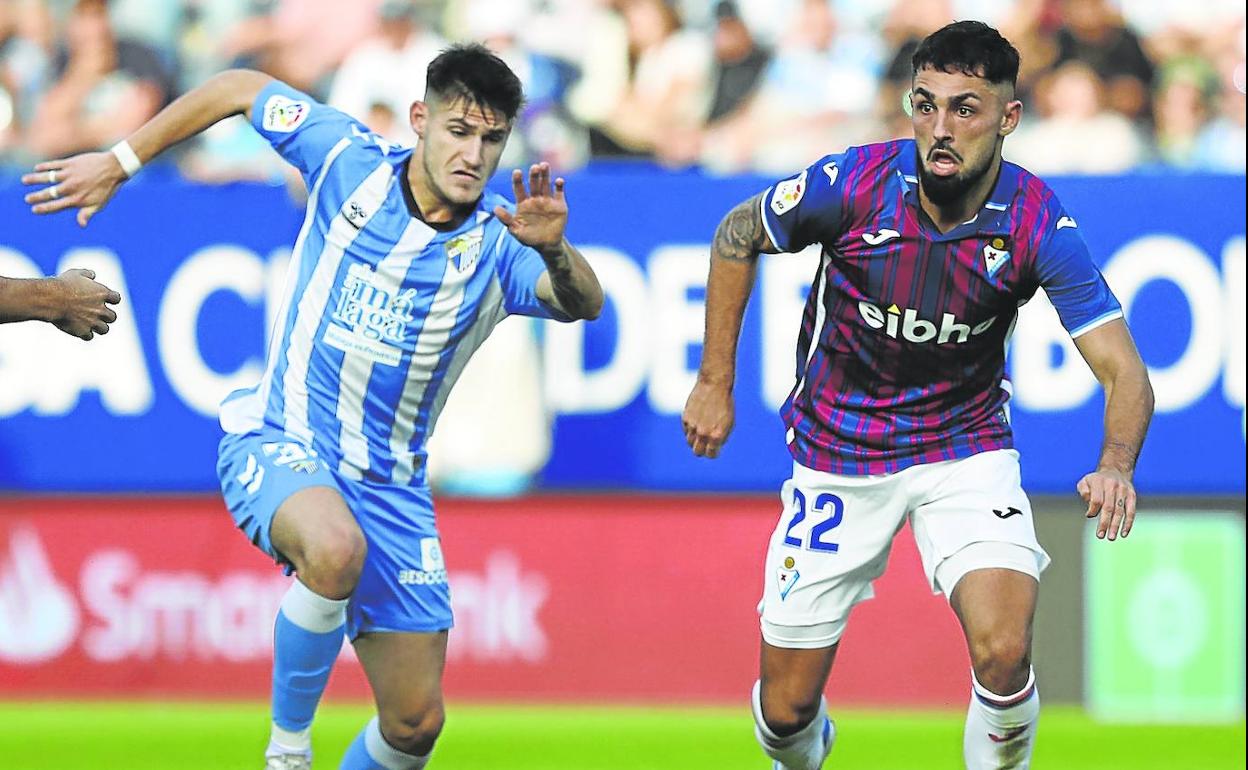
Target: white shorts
[(834, 536)]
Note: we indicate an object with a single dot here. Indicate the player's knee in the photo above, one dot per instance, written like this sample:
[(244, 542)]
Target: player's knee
[(787, 716), (414, 732), (333, 563), (1001, 661)]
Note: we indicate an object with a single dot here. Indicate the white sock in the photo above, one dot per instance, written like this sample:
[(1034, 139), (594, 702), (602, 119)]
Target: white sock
[(288, 742), (1001, 729), (311, 611), (804, 750), (386, 755)]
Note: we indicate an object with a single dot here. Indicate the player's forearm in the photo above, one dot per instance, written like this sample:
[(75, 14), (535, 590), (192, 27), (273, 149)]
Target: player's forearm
[(22, 299), (734, 261), (228, 93), (573, 282), (1128, 410), (727, 293)]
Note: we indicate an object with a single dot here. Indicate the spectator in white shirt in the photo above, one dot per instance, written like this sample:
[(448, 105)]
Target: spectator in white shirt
[(386, 72)]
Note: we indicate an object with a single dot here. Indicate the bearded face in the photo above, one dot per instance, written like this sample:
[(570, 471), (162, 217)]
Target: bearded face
[(960, 122)]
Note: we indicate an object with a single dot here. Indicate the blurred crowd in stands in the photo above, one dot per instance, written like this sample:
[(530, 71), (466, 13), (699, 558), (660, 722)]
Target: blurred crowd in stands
[(731, 86)]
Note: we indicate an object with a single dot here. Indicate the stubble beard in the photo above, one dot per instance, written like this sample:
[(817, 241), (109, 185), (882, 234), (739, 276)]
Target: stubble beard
[(444, 193), (948, 190), (434, 186)]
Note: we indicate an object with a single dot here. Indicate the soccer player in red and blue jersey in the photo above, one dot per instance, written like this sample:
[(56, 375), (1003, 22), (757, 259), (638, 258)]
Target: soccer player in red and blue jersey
[(900, 408)]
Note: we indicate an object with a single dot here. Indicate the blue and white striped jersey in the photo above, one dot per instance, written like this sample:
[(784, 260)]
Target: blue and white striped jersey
[(380, 311)]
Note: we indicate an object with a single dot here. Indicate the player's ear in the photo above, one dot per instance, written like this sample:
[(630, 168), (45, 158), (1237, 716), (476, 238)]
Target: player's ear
[(1013, 114), (419, 116), (1011, 117)]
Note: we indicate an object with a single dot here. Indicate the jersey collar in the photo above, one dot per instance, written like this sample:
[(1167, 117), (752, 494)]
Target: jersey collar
[(479, 215), (994, 209)]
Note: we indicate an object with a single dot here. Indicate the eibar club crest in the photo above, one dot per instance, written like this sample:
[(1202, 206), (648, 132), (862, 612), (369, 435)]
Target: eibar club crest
[(463, 250), (996, 254), (786, 577)]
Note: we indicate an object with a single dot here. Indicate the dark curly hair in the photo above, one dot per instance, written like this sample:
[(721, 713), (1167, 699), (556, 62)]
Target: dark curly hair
[(471, 71), (970, 47)]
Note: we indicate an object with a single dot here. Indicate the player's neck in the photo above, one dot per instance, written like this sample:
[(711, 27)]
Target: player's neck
[(952, 214), (425, 204)]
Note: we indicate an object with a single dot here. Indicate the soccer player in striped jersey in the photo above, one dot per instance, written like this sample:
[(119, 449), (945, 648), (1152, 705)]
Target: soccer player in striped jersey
[(900, 408), (403, 266)]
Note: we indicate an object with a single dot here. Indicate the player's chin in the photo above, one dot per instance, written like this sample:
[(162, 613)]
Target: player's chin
[(463, 192)]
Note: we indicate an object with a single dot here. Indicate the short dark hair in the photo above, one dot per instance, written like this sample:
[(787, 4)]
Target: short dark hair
[(472, 71), (970, 47)]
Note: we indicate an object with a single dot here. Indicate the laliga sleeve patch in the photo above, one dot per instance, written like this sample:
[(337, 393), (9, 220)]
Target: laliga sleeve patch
[(284, 115), (788, 194)]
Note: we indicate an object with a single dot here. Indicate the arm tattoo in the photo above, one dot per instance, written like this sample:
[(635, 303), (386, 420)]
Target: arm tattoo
[(574, 285), (740, 235)]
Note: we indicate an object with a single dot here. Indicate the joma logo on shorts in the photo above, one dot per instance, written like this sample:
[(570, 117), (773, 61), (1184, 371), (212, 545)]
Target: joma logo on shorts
[(907, 325)]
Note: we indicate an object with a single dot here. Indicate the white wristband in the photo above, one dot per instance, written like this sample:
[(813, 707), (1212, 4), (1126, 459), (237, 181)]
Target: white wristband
[(125, 155)]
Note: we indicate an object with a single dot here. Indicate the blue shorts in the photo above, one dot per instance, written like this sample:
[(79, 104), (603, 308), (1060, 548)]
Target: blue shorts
[(403, 586)]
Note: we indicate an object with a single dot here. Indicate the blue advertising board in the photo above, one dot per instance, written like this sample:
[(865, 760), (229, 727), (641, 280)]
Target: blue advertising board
[(200, 268)]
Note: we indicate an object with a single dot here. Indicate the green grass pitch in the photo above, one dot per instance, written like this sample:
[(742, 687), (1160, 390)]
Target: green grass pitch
[(147, 736)]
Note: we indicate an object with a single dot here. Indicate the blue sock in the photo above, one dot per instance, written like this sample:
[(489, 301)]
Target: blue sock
[(357, 757), (307, 637), (370, 751)]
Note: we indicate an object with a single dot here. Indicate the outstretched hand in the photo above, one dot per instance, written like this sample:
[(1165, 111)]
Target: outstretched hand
[(85, 182), (541, 213)]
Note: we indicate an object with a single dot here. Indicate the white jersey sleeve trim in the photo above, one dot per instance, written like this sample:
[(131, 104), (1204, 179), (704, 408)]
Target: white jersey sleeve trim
[(1089, 326)]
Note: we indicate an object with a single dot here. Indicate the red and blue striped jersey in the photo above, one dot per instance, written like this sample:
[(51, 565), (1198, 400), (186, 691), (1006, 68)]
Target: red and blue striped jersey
[(901, 354)]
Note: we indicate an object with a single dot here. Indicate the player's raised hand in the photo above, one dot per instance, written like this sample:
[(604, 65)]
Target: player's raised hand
[(541, 212), (84, 182), (1110, 495), (708, 418), (84, 304)]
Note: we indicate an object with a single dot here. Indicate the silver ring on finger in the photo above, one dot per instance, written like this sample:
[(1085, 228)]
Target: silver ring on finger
[(52, 176), (53, 193)]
